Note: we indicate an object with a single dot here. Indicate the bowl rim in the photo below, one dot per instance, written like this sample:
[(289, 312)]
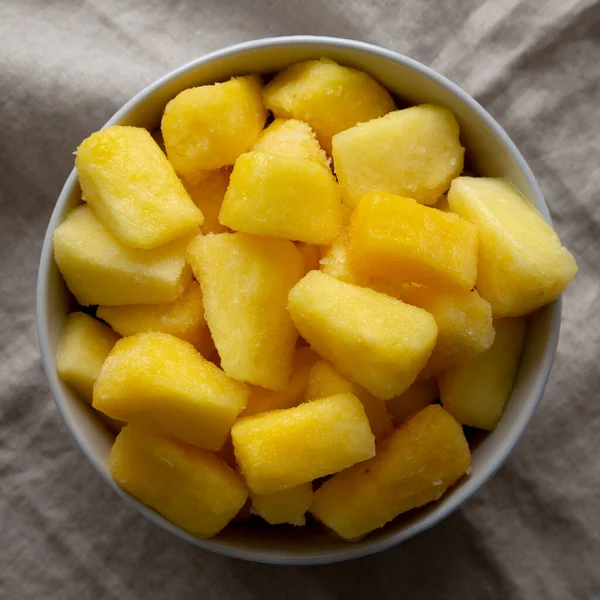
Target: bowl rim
[(473, 484)]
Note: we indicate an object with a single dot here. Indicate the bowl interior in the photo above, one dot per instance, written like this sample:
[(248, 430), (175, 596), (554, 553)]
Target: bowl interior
[(490, 152)]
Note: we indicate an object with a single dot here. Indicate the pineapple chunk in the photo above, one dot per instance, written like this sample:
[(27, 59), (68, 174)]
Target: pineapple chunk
[(376, 341), (208, 197), (476, 393), (419, 395), (160, 381), (99, 270), (281, 449), (464, 321), (284, 197), (132, 187), (183, 318), (191, 487), (311, 254), (413, 152), (290, 137), (84, 346), (329, 97), (335, 262), (418, 244), (208, 127), (245, 280), (522, 263), (324, 381), (262, 400), (288, 506), (414, 466)]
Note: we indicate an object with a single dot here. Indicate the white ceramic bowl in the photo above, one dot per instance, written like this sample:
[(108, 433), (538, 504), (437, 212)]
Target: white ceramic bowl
[(490, 152)]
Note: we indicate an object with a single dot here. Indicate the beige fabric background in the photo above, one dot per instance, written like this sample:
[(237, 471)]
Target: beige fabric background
[(66, 66)]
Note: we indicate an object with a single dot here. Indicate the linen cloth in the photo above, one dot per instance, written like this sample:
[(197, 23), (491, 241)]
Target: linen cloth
[(533, 531)]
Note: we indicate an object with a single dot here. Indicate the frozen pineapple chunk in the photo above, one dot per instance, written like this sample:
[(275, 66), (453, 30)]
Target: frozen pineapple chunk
[(162, 382), (282, 196), (398, 238), (132, 187), (419, 395), (415, 465), (84, 346), (328, 96), (464, 321), (290, 137), (324, 381), (374, 340), (288, 506), (281, 449), (522, 263), (476, 393), (262, 400), (100, 270), (413, 152), (183, 318), (191, 487), (208, 196), (208, 127), (245, 280)]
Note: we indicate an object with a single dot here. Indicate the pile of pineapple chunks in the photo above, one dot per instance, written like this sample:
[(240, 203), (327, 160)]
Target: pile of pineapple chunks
[(278, 309)]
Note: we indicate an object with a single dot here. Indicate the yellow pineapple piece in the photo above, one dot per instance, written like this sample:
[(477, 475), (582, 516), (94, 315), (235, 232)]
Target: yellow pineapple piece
[(311, 254), (419, 395), (162, 382), (100, 270), (464, 321), (208, 196), (288, 506), (418, 244), (84, 346), (522, 263), (414, 152), (208, 127), (262, 400), (191, 487), (282, 196), (372, 339), (290, 137), (415, 465), (183, 318), (476, 392), (324, 381), (132, 187), (336, 262), (281, 449), (328, 96), (245, 280)]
